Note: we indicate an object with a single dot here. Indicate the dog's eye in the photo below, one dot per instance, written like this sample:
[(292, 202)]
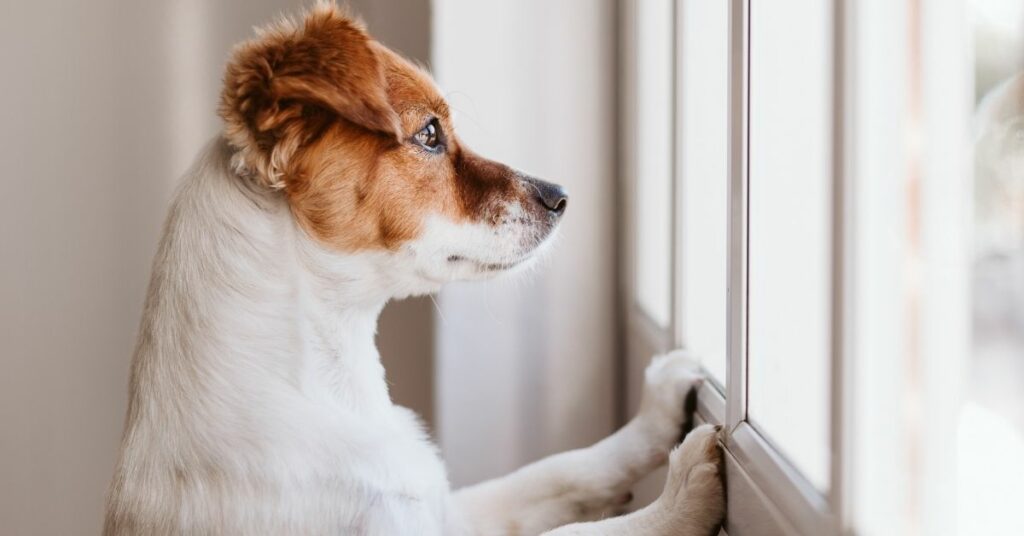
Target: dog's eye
[(429, 136)]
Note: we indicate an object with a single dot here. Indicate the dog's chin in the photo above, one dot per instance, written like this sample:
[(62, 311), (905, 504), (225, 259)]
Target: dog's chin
[(451, 263), (465, 268), (475, 269), (485, 267)]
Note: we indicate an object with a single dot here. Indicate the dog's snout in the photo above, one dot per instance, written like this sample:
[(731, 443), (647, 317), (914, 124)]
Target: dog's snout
[(552, 196)]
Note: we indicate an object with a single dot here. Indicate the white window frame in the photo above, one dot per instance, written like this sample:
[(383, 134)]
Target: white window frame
[(755, 470), (767, 494)]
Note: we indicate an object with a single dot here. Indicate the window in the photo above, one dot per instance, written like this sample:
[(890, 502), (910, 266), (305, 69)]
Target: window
[(751, 179), (653, 205), (790, 230), (702, 150), (818, 259), (990, 427)]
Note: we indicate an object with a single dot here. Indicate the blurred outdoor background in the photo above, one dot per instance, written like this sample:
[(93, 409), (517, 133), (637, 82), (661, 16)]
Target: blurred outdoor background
[(991, 425)]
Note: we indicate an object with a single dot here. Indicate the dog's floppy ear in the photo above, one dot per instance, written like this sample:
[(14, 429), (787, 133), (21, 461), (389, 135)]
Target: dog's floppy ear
[(281, 88)]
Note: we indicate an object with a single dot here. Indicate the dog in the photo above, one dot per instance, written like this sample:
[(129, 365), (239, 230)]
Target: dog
[(258, 403)]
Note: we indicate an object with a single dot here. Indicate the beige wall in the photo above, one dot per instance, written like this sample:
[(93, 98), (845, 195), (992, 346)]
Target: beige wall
[(104, 104)]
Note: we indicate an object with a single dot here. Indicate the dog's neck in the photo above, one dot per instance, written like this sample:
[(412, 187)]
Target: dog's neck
[(242, 298)]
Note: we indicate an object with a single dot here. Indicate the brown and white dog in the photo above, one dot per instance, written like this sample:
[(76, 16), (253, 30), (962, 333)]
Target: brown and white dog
[(258, 403)]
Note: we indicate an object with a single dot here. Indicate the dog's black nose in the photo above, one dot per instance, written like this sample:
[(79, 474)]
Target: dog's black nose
[(552, 196)]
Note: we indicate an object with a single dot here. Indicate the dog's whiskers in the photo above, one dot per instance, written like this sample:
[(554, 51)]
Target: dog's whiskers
[(440, 313)]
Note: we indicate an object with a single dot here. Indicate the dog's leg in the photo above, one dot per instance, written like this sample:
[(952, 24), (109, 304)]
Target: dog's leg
[(592, 482), (692, 503)]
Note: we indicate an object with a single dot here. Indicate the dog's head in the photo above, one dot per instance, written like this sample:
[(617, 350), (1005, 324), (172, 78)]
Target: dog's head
[(362, 144)]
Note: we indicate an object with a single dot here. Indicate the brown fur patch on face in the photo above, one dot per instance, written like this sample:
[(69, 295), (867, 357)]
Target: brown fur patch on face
[(354, 191), (353, 202), (329, 115), (485, 187)]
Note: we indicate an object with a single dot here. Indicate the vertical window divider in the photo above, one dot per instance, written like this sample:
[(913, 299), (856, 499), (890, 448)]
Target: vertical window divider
[(675, 259), (736, 346), (842, 267)]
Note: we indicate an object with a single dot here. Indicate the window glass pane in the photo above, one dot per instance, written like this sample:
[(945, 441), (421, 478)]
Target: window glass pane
[(654, 159), (991, 426), (790, 230), (704, 166)]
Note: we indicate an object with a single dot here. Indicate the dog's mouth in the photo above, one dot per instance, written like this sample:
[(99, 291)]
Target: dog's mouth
[(484, 266)]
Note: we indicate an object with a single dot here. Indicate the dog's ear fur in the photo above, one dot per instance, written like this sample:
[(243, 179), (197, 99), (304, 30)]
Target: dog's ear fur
[(283, 87)]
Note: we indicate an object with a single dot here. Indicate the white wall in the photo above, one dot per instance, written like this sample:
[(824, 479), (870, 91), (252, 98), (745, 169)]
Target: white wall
[(525, 368), (104, 105)]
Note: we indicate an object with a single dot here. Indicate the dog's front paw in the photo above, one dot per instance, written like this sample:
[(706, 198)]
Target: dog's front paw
[(668, 380), (694, 496)]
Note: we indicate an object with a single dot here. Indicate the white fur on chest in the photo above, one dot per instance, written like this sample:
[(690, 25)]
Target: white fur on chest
[(259, 404)]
